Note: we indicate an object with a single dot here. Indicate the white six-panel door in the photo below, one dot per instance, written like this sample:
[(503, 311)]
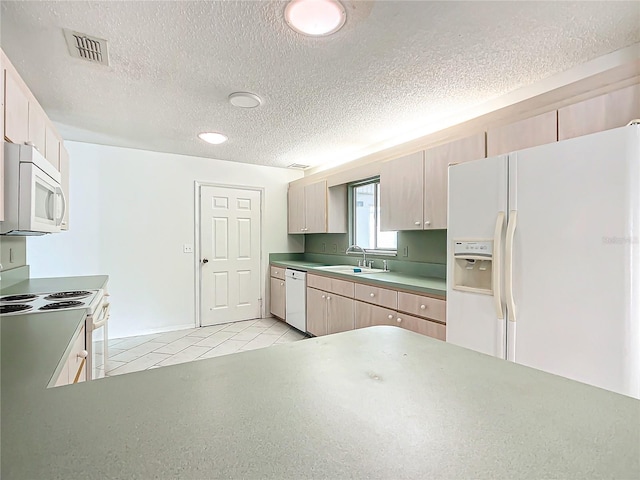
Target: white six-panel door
[(230, 254)]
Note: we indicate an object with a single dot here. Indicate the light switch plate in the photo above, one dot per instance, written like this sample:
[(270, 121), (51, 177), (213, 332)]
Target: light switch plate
[(187, 248)]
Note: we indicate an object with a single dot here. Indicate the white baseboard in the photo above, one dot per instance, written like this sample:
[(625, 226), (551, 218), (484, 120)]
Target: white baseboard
[(151, 331)]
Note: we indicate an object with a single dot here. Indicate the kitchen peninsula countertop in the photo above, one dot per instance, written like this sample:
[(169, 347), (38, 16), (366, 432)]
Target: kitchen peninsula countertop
[(403, 281), (379, 402)]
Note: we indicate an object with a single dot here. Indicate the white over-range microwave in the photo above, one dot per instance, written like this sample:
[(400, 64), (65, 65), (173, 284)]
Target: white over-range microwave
[(34, 201)]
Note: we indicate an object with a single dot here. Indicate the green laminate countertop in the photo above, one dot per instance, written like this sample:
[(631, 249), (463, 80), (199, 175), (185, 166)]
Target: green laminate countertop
[(379, 403), (56, 284), (403, 281)]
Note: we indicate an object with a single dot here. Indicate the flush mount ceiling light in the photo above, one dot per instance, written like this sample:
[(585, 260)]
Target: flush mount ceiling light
[(244, 100), (213, 137), (315, 17)]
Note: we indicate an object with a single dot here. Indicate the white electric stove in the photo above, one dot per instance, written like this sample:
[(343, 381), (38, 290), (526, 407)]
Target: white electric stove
[(93, 302), (47, 302)]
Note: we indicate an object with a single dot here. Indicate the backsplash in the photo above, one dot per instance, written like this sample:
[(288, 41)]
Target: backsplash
[(421, 253), (427, 246)]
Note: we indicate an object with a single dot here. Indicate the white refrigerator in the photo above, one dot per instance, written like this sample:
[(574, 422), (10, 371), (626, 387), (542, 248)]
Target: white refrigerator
[(544, 258)]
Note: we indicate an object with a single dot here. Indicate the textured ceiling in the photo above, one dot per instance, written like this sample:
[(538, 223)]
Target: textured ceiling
[(393, 66)]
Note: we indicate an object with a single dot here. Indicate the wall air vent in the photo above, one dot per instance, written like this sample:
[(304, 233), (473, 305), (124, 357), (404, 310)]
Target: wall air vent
[(85, 47), (298, 166)]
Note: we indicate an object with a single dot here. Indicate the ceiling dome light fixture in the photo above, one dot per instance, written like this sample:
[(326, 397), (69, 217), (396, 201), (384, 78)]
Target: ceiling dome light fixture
[(315, 17), (245, 100), (213, 137)]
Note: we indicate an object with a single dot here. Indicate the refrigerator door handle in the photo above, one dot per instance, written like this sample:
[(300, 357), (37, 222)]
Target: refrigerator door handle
[(497, 250), (508, 264)]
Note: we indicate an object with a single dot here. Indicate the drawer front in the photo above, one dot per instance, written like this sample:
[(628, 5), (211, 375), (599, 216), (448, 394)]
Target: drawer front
[(277, 272), (426, 307), (368, 315), (340, 287), (319, 282), (333, 285), (377, 296), (422, 326)]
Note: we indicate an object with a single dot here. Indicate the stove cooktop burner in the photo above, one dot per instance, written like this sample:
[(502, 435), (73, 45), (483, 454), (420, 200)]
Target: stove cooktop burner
[(67, 295), (18, 298), (61, 305), (17, 307)]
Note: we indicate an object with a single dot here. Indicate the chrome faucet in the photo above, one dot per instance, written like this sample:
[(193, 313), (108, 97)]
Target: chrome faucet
[(355, 248)]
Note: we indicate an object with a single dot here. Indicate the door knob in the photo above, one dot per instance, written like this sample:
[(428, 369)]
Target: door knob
[(204, 260)]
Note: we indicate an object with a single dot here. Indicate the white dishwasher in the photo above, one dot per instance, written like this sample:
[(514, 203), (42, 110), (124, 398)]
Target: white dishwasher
[(296, 299)]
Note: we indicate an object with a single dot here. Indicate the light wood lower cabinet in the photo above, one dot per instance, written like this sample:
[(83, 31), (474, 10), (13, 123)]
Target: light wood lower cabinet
[(316, 312), (335, 305), (74, 369), (368, 315), (340, 314), (376, 295), (278, 297), (328, 313), (422, 326), (421, 306)]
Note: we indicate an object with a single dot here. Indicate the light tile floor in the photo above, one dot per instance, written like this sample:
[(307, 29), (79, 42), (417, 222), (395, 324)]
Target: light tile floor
[(133, 354)]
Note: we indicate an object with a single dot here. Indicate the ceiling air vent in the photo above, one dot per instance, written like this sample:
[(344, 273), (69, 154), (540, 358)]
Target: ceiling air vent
[(298, 165), (85, 47)]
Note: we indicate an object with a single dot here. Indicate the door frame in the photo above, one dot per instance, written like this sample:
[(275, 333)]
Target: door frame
[(197, 247)]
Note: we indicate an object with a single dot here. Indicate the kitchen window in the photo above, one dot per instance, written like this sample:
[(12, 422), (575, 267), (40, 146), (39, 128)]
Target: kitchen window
[(365, 213)]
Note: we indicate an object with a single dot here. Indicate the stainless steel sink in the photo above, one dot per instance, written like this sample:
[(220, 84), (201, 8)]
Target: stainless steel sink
[(350, 269)]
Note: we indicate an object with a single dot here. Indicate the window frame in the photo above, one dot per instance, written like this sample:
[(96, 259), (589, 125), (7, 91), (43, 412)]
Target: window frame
[(391, 252)]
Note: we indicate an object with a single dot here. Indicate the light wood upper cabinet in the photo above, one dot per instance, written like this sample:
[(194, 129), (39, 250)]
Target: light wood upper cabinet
[(52, 146), (295, 210), (16, 107), (38, 127), (278, 297), (612, 110), (64, 184), (436, 175), (538, 130), (413, 189), (401, 193), (316, 312), (314, 208)]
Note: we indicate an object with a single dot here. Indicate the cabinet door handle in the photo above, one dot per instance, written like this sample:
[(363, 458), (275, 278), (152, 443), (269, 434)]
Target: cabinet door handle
[(372, 295), (390, 317), (83, 354), (328, 298), (427, 222), (423, 307), (324, 296), (399, 320), (281, 283), (417, 223)]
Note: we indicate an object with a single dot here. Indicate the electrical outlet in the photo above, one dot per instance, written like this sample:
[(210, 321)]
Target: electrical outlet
[(405, 251), (324, 247), (334, 248), (187, 248)]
